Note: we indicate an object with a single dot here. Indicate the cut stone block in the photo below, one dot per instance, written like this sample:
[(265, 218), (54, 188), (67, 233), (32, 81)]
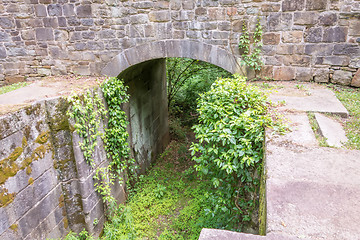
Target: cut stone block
[(318, 99), (331, 130)]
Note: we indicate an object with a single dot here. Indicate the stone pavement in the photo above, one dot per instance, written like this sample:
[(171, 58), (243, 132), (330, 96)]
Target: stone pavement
[(312, 192), (47, 88)]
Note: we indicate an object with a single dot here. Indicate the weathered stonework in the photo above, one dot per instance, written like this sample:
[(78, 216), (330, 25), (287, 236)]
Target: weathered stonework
[(46, 186), (39, 38)]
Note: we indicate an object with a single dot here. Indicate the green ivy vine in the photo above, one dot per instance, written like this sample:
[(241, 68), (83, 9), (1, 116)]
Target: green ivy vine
[(87, 110), (251, 50)]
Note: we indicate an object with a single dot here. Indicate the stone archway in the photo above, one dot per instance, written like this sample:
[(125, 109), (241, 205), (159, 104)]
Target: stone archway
[(173, 48)]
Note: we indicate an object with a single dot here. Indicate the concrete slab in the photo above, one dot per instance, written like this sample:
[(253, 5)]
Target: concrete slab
[(307, 97), (312, 193), (301, 132), (216, 234), (47, 88), (331, 130)]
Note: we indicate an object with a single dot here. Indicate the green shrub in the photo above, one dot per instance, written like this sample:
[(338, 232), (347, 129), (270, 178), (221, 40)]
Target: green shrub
[(229, 152)]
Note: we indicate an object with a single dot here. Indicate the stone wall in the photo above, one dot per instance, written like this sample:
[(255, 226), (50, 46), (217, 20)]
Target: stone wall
[(303, 39), (46, 187)]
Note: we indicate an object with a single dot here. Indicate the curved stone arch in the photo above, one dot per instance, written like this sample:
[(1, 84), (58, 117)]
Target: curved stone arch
[(173, 48)]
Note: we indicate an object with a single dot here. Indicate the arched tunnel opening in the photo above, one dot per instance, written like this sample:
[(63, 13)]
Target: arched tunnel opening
[(170, 197)]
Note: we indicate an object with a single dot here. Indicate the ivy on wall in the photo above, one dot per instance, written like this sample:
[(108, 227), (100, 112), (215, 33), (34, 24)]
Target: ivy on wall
[(251, 50), (87, 110)]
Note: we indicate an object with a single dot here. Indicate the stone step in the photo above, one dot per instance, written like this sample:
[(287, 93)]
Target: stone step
[(331, 130), (316, 99)]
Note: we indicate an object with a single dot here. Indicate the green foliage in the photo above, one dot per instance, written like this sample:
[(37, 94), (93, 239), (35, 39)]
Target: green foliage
[(117, 147), (83, 235), (87, 110), (168, 202), (251, 50), (13, 87), (316, 129), (230, 148), (187, 78), (351, 100)]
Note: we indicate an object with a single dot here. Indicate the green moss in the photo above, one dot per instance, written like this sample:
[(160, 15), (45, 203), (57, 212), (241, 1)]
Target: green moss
[(24, 142), (31, 181), (6, 198), (38, 153), (27, 130), (4, 125), (262, 205), (42, 138), (33, 109), (8, 166), (59, 121), (28, 170), (61, 164), (66, 222), (14, 227), (61, 201), (38, 125)]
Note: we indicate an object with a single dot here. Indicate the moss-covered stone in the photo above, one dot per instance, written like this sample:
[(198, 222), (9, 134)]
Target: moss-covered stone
[(4, 125), (24, 142), (262, 203), (6, 198), (14, 227), (59, 121), (8, 166), (33, 109), (28, 170), (66, 222), (27, 131), (42, 138), (31, 181)]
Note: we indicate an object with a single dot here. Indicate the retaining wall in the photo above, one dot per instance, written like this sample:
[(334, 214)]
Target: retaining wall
[(46, 187)]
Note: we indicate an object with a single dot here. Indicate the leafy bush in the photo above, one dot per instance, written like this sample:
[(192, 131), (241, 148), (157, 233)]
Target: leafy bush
[(186, 79), (230, 148)]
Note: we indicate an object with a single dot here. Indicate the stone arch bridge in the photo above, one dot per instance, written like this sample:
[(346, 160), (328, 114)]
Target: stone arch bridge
[(306, 40)]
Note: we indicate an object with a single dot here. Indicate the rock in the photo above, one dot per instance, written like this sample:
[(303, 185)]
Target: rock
[(44, 34), (321, 75), (54, 10), (305, 18), (314, 35), (284, 73), (271, 38), (355, 82), (316, 5), (14, 79), (84, 11), (328, 19), (342, 77), (40, 10), (293, 5), (159, 16), (335, 34), (304, 74), (347, 49), (3, 52), (292, 36), (6, 22)]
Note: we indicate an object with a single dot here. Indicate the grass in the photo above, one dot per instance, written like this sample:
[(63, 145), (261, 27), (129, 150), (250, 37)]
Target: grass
[(13, 87), (350, 98), (168, 202), (316, 129)]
